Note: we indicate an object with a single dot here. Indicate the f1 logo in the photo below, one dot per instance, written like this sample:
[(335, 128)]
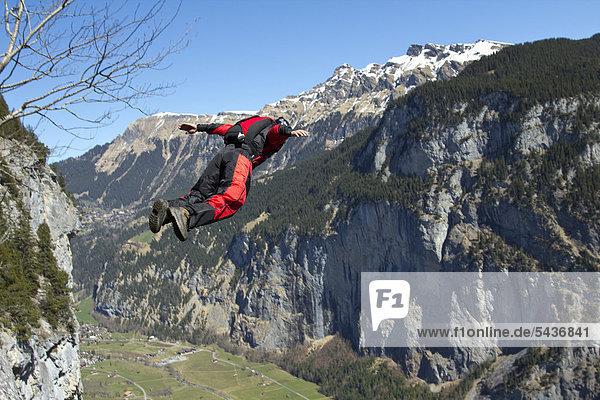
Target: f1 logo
[(389, 299)]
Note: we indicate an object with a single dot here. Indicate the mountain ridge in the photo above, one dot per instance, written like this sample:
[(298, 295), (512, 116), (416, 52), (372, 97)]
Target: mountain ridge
[(469, 174), (350, 100)]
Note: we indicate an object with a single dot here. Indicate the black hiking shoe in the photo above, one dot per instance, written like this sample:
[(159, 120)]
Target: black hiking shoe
[(158, 216), (181, 218)]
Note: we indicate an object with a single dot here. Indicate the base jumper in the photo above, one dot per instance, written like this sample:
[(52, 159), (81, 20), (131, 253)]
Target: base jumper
[(224, 185)]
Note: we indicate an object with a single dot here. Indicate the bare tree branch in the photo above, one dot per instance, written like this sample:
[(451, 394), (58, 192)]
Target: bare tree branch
[(27, 41), (78, 54)]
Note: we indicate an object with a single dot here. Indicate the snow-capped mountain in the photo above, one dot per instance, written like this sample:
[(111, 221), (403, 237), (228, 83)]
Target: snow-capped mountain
[(367, 91), (353, 99), (152, 157)]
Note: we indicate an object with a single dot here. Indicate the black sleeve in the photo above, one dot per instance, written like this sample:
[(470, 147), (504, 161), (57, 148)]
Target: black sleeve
[(207, 127), (285, 130)]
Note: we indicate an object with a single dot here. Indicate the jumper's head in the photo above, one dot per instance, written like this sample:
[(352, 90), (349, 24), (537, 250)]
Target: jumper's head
[(283, 121)]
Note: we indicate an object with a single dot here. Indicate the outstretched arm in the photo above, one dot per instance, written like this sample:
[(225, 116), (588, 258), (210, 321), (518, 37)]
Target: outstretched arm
[(219, 129)]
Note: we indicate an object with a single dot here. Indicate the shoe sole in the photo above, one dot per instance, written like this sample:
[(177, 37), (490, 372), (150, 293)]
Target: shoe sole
[(178, 225), (158, 215)]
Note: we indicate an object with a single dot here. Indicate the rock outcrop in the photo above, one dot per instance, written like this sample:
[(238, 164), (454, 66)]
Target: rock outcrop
[(46, 365)]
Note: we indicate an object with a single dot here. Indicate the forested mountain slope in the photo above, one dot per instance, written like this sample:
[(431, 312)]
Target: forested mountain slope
[(38, 331), (496, 169)]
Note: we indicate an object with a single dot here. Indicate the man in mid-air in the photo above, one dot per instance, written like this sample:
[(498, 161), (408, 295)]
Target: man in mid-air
[(222, 188)]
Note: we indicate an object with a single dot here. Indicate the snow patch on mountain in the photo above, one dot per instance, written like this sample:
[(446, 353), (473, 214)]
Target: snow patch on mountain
[(435, 56), (370, 89)]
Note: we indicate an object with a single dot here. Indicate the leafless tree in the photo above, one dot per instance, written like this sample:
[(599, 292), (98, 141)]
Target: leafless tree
[(69, 54)]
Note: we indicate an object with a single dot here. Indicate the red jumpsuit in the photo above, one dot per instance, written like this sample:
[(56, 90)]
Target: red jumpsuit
[(225, 183)]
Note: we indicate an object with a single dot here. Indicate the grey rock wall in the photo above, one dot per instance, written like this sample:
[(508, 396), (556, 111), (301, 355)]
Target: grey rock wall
[(46, 366), (313, 282)]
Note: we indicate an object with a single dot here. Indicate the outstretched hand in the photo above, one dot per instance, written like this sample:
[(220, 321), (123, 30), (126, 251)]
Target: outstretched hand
[(188, 128), (299, 133)]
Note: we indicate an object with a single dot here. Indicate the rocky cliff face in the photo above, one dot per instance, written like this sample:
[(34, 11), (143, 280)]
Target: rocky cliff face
[(46, 365), (499, 190), (300, 289), (569, 373), (296, 289), (152, 158)]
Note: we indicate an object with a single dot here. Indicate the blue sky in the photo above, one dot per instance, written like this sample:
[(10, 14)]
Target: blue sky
[(245, 54)]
